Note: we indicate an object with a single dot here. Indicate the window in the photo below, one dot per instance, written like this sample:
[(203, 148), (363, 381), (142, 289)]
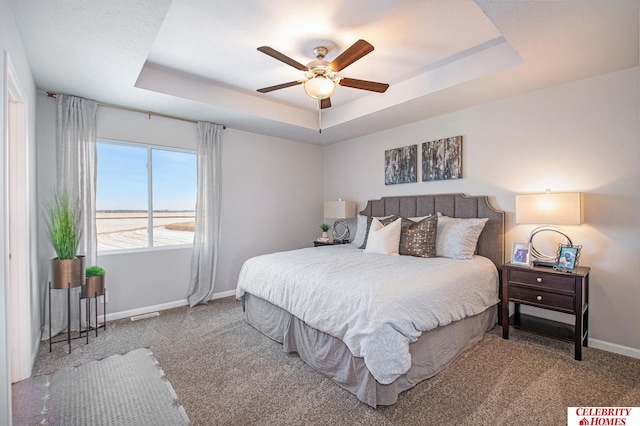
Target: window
[(145, 196)]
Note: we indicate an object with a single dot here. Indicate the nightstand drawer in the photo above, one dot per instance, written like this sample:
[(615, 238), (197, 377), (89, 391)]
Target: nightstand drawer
[(540, 279), (541, 298)]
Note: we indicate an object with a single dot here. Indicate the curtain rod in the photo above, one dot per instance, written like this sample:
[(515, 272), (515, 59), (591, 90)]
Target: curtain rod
[(149, 113)]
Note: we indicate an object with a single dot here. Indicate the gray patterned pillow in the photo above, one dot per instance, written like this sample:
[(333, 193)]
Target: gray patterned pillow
[(387, 220), (457, 238), (419, 238)]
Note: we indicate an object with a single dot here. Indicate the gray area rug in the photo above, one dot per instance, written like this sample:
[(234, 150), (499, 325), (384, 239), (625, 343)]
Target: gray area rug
[(129, 389)]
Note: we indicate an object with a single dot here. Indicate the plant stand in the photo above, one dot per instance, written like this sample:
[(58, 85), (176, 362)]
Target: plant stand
[(69, 338), (90, 291)]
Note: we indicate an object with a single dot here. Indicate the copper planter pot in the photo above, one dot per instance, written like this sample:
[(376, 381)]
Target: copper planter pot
[(94, 287), (68, 272)]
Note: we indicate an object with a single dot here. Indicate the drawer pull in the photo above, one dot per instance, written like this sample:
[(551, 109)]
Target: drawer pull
[(539, 279), (539, 298)]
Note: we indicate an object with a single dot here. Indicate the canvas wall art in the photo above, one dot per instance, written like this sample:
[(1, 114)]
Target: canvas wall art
[(400, 165), (442, 159)]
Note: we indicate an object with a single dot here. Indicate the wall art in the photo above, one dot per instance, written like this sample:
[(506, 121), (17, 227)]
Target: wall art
[(400, 165), (442, 159)]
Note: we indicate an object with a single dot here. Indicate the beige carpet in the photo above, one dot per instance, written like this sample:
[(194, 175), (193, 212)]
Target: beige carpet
[(227, 373)]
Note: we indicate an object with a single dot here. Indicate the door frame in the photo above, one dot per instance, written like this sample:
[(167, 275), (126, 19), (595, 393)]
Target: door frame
[(17, 225)]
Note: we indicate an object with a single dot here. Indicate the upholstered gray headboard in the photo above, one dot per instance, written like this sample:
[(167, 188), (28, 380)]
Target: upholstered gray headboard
[(491, 241)]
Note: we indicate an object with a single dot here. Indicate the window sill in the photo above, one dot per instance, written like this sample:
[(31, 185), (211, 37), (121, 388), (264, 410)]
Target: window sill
[(145, 250)]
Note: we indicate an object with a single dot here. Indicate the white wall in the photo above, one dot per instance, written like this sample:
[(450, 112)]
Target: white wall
[(11, 47), (583, 136), (271, 201)]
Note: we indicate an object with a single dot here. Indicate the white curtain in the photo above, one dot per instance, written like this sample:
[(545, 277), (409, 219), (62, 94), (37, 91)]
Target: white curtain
[(207, 236), (76, 172)]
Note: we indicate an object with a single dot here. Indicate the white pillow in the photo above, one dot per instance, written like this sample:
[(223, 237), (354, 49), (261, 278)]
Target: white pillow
[(457, 238), (361, 231), (384, 239)]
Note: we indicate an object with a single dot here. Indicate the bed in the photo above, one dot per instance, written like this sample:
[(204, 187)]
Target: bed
[(378, 325)]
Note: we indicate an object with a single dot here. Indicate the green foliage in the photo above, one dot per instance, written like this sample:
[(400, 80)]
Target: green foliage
[(63, 224), (325, 227), (95, 271)]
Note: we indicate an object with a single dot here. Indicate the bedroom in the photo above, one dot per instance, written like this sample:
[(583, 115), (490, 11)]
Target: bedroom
[(511, 147)]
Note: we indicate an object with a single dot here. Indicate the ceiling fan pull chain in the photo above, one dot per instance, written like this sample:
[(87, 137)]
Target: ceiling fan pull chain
[(319, 117)]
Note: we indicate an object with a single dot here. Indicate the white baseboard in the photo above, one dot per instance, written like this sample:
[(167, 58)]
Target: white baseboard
[(615, 348), (161, 307)]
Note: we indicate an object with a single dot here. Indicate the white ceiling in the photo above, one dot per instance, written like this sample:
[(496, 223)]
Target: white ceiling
[(197, 58)]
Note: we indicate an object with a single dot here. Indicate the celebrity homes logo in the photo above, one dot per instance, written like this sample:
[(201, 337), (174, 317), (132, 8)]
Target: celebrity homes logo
[(603, 416)]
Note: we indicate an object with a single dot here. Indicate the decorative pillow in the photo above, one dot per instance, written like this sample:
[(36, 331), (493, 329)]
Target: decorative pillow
[(457, 238), (418, 219), (384, 239), (419, 238), (385, 220), (361, 231)]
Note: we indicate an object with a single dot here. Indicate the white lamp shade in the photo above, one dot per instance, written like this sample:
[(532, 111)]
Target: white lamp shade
[(340, 209), (319, 87), (550, 208)]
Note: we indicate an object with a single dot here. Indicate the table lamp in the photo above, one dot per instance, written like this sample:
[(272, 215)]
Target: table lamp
[(340, 210), (549, 209)]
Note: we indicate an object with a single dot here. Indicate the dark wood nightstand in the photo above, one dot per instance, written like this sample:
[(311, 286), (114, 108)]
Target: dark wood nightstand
[(544, 287), (317, 243)]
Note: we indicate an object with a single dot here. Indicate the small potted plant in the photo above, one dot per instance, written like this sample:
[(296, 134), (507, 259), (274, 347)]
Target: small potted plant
[(325, 228), (95, 281), (64, 230)]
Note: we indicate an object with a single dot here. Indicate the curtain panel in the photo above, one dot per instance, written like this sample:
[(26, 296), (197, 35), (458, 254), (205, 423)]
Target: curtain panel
[(207, 234)]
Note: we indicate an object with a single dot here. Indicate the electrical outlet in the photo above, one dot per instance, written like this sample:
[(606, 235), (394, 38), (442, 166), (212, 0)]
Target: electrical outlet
[(105, 298)]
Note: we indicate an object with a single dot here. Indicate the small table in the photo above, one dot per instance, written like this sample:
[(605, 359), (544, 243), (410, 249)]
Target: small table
[(546, 288)]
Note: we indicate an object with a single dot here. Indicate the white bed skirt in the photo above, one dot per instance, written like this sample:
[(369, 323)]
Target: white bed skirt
[(430, 354)]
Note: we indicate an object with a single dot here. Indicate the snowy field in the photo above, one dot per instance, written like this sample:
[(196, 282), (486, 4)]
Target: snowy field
[(125, 230)]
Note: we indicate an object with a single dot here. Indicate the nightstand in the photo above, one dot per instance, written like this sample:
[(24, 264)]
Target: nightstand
[(317, 243), (546, 288)]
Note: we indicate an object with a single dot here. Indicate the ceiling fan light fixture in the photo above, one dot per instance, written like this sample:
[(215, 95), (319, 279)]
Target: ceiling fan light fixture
[(319, 87), (321, 77)]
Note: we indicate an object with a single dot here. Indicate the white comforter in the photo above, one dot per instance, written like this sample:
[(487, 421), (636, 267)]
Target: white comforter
[(376, 304)]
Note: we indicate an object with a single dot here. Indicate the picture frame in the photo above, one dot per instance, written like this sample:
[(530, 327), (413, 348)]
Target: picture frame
[(521, 254), (567, 257), (442, 159), (401, 165)]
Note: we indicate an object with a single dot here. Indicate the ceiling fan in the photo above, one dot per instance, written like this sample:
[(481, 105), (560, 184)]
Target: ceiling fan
[(321, 77)]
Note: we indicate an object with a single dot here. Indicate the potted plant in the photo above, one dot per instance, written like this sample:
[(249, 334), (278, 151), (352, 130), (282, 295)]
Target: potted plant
[(325, 228), (64, 231), (95, 281)]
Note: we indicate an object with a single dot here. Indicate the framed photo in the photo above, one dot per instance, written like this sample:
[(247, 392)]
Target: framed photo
[(567, 257), (521, 254)]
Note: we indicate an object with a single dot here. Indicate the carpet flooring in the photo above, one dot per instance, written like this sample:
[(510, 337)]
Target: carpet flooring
[(227, 373)]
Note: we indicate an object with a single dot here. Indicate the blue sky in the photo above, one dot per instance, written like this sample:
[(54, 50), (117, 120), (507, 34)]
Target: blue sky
[(122, 179)]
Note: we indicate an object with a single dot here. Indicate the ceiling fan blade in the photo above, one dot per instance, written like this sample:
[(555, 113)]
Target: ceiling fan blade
[(357, 50), (364, 85), (278, 86), (282, 57), (325, 103)]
